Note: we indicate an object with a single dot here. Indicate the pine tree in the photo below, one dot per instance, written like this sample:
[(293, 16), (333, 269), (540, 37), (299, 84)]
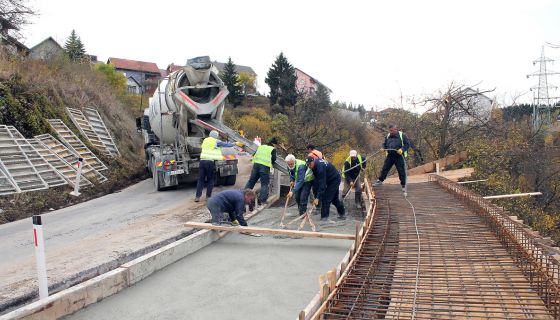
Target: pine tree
[(323, 97), (231, 80), (74, 47), (281, 79)]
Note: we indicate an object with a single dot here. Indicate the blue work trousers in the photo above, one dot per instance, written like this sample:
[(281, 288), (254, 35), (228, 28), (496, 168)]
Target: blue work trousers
[(331, 196), (302, 196), (262, 173), (206, 174)]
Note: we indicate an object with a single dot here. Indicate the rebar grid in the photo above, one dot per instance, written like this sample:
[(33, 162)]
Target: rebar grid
[(466, 269), (531, 253)]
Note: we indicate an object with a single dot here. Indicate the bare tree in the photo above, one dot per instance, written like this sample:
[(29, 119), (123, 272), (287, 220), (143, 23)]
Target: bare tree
[(453, 116), (14, 14)]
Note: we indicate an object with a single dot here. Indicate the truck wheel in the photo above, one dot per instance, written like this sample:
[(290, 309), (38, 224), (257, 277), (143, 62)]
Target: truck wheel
[(230, 180), (149, 165)]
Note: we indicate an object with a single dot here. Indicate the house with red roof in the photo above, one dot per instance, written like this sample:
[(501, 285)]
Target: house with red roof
[(306, 84), (142, 76)]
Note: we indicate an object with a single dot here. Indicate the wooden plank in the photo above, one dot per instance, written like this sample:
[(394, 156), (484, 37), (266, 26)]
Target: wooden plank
[(292, 233)]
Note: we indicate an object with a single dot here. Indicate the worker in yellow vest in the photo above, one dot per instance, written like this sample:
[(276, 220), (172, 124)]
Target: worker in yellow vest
[(301, 181), (351, 175), (211, 151), (263, 159), (396, 145)]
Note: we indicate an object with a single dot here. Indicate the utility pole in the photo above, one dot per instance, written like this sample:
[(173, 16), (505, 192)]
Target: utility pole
[(541, 99)]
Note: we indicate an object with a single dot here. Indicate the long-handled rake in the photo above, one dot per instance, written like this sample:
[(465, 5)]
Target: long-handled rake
[(285, 209), (307, 217)]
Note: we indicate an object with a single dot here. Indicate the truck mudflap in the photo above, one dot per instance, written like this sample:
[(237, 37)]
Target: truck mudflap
[(229, 133), (227, 168), (165, 172)]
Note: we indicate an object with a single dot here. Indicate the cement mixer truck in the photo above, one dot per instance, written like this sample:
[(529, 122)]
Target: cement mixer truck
[(187, 104)]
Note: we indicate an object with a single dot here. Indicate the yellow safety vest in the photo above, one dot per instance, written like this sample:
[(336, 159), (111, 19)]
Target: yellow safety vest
[(308, 173), (264, 155), (350, 163), (402, 143), (210, 151)]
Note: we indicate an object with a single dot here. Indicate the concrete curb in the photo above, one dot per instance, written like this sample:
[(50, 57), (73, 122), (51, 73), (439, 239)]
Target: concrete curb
[(94, 290), (88, 274)]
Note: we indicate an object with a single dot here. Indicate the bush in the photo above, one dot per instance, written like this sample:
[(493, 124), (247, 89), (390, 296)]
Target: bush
[(253, 126), (116, 79), (339, 156), (27, 111)]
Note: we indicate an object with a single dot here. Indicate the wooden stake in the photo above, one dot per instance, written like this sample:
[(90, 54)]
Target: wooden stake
[(292, 233), (331, 277)]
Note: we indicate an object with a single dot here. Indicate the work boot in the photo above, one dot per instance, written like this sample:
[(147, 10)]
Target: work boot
[(358, 200), (324, 219), (403, 189), (197, 199), (341, 217), (377, 183), (235, 223)]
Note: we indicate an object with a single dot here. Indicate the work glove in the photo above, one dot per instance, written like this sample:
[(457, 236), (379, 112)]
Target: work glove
[(292, 184), (239, 144), (290, 194), (316, 202), (399, 152)]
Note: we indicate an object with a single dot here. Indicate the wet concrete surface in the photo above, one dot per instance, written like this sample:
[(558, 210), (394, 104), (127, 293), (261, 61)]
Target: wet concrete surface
[(237, 277)]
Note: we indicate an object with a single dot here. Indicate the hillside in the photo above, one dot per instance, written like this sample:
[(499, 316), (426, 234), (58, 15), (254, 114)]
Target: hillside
[(33, 91)]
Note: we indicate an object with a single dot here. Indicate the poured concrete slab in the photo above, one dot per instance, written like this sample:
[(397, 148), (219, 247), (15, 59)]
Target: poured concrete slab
[(237, 277)]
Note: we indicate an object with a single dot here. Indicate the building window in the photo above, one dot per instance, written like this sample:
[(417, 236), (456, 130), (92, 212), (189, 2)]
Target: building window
[(132, 89)]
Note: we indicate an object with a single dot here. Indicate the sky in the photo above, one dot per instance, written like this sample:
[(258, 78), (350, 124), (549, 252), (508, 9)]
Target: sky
[(376, 53)]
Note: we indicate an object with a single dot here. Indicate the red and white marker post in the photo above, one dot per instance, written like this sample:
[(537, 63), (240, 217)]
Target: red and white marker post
[(40, 256), (76, 191)]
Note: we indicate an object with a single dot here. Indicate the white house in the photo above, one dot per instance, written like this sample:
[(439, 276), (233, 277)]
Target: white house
[(479, 104)]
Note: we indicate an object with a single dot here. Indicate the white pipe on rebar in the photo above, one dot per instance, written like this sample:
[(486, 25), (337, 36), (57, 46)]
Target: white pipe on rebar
[(472, 181), (514, 195)]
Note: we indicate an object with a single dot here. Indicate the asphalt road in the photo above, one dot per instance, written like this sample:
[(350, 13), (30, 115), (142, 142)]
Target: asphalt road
[(95, 236)]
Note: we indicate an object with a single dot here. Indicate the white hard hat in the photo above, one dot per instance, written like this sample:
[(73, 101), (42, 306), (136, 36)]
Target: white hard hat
[(214, 134), (291, 157), (353, 153)]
